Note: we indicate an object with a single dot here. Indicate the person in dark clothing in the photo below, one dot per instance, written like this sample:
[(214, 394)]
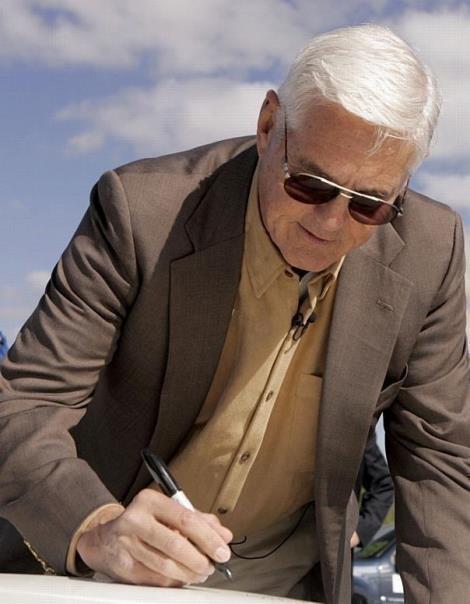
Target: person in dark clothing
[(377, 498)]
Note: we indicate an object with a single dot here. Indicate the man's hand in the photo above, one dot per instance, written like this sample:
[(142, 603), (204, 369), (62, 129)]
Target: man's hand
[(156, 541), (355, 540)]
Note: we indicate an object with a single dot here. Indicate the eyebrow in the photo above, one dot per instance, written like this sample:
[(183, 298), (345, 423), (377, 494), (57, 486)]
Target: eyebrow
[(306, 165)]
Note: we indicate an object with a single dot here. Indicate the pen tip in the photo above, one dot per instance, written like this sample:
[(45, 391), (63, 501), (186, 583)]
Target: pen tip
[(225, 570)]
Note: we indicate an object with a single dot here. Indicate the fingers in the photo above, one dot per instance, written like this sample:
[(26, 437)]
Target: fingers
[(214, 522), (191, 525), (118, 550), (165, 566), (164, 540), (156, 541)]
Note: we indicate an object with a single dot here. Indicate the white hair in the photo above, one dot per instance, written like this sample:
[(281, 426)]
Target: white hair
[(372, 73)]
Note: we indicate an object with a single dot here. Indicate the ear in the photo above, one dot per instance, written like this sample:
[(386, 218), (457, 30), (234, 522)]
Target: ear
[(266, 121)]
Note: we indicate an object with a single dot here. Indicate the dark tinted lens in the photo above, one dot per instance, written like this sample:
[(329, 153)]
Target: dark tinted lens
[(306, 189), (369, 211), (309, 190)]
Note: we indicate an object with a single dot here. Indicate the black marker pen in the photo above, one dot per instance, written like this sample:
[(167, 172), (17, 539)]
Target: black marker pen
[(162, 476)]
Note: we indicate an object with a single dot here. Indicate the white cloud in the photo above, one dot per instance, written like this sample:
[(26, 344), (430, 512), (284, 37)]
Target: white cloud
[(181, 36), (453, 189), (37, 280), (222, 37), (213, 38), (172, 115), (18, 301), (443, 39), (90, 140)]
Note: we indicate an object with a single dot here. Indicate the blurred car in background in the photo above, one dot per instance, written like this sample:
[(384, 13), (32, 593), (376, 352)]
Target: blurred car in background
[(375, 576)]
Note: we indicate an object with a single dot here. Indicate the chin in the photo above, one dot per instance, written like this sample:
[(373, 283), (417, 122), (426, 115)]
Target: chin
[(307, 264), (315, 258), (315, 266)]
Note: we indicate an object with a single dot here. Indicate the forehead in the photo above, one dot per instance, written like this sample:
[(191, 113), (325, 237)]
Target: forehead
[(329, 139)]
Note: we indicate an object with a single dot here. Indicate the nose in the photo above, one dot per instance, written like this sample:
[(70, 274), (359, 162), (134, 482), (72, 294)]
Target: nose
[(333, 215)]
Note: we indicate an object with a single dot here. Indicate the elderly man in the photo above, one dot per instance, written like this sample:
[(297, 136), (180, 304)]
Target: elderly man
[(248, 312)]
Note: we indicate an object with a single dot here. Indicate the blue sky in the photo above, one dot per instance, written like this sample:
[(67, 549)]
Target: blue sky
[(88, 85)]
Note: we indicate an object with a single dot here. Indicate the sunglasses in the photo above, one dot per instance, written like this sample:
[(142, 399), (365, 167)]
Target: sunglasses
[(315, 190)]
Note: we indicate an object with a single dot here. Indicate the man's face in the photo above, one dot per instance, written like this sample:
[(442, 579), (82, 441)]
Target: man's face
[(329, 142)]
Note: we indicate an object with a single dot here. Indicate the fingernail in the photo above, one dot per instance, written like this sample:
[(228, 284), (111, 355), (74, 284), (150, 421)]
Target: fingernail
[(202, 579), (211, 570), (222, 554)]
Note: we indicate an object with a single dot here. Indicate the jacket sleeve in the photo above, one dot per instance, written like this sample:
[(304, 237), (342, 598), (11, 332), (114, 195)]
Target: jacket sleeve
[(428, 448), (378, 492), (50, 376)]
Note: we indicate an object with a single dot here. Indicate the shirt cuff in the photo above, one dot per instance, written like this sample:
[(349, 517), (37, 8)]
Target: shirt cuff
[(75, 566)]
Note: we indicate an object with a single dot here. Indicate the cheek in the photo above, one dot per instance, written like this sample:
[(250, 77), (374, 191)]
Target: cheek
[(276, 210), (281, 217)]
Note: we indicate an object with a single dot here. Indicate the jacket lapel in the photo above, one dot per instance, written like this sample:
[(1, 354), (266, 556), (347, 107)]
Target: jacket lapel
[(370, 301), (203, 288)]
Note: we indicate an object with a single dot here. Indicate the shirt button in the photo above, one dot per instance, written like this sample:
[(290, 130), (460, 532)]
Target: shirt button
[(245, 457), (269, 395), (288, 273), (222, 510)]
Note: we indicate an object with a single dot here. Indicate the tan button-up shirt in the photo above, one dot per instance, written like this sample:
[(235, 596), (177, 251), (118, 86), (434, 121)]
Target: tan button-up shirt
[(250, 456)]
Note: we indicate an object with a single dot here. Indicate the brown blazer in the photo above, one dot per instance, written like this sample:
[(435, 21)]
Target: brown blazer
[(122, 348)]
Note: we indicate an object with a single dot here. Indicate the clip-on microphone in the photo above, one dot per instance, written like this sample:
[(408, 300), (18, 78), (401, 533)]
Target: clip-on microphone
[(300, 326)]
